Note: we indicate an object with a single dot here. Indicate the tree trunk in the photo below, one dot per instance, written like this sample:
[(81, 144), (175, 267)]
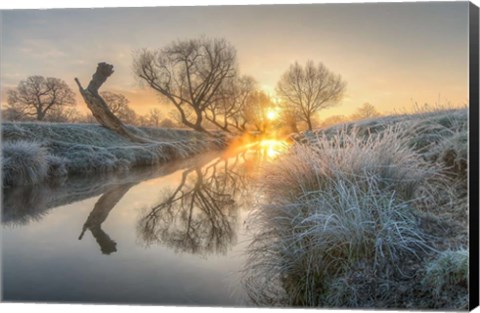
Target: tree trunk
[(293, 127), (198, 122), (40, 114), (309, 122), (99, 108)]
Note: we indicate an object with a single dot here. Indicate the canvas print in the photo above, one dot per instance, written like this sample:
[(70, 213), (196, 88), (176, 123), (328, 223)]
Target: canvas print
[(310, 155)]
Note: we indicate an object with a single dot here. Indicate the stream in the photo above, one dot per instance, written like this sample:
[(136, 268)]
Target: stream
[(170, 234)]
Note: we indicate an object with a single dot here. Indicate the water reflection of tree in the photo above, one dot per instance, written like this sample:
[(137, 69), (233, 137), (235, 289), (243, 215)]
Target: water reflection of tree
[(99, 214), (24, 204), (200, 215)]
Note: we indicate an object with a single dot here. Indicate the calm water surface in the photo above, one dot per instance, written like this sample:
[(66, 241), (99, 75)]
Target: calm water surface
[(172, 234)]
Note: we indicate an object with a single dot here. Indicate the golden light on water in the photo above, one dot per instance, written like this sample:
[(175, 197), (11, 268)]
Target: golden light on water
[(265, 148), (272, 147)]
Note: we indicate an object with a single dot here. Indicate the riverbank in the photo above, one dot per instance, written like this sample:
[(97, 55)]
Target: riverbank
[(37, 152), (370, 214)]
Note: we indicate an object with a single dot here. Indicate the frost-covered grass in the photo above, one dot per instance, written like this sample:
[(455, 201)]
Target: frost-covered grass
[(34, 152), (360, 215), (25, 162), (448, 270)]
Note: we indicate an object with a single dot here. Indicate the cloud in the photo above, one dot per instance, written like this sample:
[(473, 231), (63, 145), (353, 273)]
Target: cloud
[(40, 49)]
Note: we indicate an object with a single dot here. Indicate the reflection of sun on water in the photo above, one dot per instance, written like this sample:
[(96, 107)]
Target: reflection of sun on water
[(271, 147), (266, 147)]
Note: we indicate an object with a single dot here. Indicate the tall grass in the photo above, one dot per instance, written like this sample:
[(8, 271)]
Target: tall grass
[(340, 226), (24, 163)]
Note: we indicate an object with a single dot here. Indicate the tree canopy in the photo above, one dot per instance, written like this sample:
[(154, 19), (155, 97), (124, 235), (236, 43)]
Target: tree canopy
[(36, 95), (309, 89), (189, 74)]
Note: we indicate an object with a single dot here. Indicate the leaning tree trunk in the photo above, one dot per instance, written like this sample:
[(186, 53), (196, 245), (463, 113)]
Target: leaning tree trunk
[(99, 108)]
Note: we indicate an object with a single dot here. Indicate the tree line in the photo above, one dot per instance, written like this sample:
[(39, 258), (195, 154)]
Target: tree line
[(201, 80), (49, 99)]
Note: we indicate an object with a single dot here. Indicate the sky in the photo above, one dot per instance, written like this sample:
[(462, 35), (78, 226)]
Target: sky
[(391, 55)]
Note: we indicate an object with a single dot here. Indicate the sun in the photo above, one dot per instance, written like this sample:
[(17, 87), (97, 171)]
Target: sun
[(272, 114)]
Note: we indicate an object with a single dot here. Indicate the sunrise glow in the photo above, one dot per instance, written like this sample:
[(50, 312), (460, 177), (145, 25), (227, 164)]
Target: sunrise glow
[(272, 114), (272, 147)]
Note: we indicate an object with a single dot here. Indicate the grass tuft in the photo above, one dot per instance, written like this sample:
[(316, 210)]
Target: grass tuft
[(24, 163)]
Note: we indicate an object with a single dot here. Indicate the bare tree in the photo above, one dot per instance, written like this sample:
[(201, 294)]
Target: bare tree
[(174, 115), (119, 105), (189, 74), (13, 114), (99, 107), (36, 95), (310, 89), (367, 110), (116, 102), (228, 111), (289, 119), (143, 120), (87, 118), (255, 110), (333, 120), (168, 123), (154, 117), (61, 115), (245, 91)]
